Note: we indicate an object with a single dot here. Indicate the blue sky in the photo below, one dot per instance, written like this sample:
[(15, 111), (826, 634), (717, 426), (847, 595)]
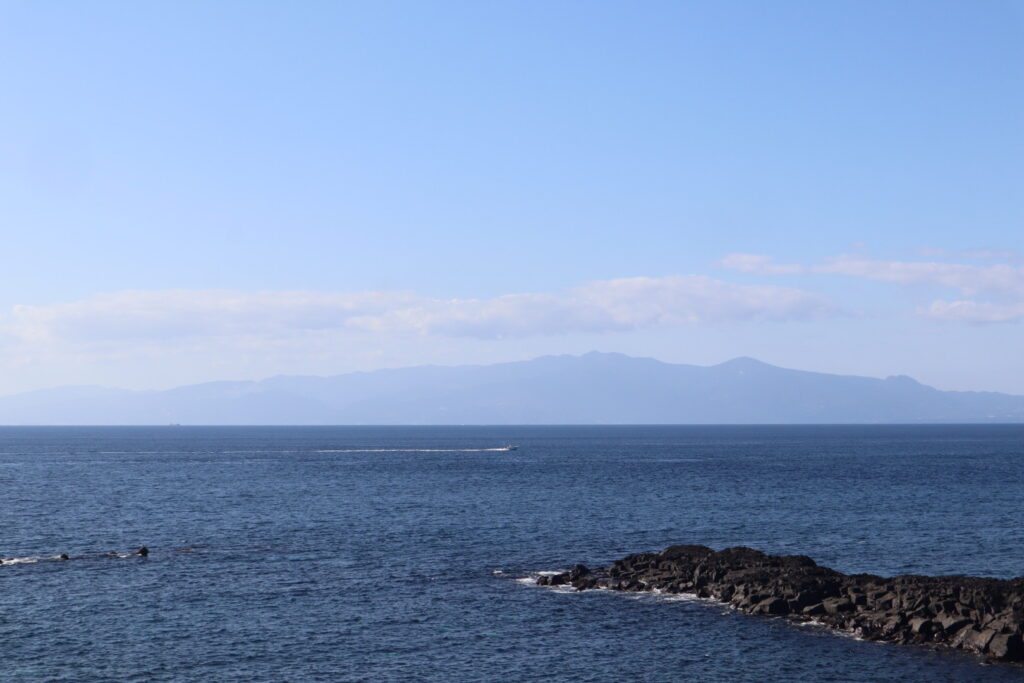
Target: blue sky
[(233, 190)]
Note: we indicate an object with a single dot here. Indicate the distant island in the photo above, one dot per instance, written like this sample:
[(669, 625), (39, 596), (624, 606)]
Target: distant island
[(595, 388)]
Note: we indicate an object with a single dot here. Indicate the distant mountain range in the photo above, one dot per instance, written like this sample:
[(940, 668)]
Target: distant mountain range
[(596, 388)]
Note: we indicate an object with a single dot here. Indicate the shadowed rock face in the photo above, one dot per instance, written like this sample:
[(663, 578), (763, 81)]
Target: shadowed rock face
[(985, 616)]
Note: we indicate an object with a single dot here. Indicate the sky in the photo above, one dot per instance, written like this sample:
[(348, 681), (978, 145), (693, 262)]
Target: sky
[(196, 191)]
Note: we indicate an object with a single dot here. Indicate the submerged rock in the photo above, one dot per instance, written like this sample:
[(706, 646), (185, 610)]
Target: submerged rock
[(980, 615)]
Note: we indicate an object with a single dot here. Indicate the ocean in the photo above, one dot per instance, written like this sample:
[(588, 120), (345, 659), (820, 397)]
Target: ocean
[(407, 553)]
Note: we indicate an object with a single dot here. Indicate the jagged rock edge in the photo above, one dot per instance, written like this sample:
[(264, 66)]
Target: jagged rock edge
[(980, 615)]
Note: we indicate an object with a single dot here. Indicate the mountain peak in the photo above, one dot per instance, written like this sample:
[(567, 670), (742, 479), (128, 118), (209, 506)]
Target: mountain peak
[(605, 355), (744, 363), (904, 380)]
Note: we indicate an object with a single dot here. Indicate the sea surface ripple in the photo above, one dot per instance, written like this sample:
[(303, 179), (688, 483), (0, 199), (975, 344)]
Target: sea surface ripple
[(404, 553)]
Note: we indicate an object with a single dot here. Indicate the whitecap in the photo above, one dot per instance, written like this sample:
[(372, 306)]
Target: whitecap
[(532, 581), (407, 450), (29, 559), (683, 597)]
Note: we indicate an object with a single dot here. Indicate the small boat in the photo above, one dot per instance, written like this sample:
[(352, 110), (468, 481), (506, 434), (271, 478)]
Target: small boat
[(509, 447)]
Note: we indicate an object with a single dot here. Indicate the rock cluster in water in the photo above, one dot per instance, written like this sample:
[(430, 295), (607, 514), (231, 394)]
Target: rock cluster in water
[(985, 616)]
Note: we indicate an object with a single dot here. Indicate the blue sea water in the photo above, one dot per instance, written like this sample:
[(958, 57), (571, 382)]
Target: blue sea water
[(383, 553)]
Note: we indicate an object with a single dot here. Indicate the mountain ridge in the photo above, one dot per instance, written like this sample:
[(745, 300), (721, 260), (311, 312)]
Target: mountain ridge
[(593, 388)]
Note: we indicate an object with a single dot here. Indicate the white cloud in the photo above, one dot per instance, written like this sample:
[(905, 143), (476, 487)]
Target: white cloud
[(975, 311), (971, 254), (180, 316), (1003, 282), (999, 281), (172, 314), (759, 264), (970, 279)]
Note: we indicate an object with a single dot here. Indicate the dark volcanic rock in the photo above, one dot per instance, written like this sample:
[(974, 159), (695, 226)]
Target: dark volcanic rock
[(985, 616)]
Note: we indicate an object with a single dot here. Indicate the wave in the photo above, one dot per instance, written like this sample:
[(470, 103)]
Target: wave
[(656, 594), (407, 450), (30, 559), (112, 554)]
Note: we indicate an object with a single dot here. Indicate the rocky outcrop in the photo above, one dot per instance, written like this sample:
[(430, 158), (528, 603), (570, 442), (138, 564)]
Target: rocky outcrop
[(985, 616)]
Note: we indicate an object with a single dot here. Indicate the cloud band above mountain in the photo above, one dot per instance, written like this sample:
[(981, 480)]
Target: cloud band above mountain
[(608, 305), (1002, 282)]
